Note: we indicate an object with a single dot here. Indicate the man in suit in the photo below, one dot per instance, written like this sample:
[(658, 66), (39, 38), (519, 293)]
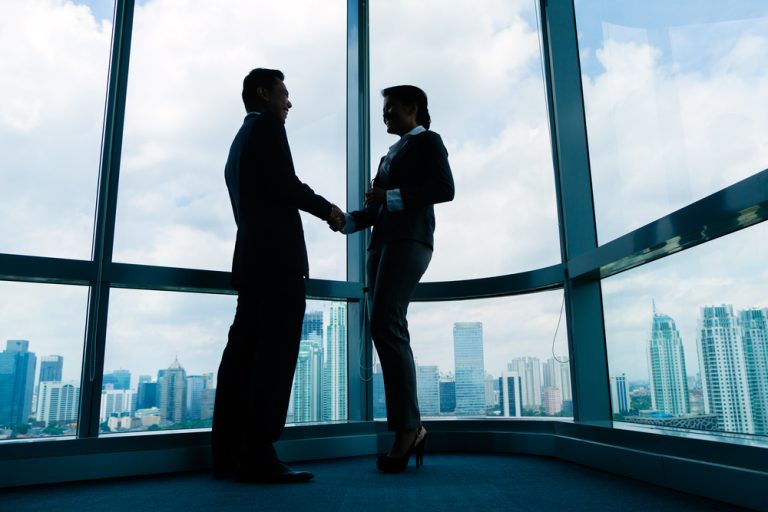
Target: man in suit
[(268, 270)]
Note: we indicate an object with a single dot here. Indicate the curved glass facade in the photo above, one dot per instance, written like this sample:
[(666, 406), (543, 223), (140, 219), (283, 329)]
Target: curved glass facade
[(625, 132)]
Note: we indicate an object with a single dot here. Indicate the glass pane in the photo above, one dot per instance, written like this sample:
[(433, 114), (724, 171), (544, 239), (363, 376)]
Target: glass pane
[(504, 357), (163, 353), (687, 337), (41, 331), (54, 60), (184, 108), (320, 383), (675, 101), (480, 65)]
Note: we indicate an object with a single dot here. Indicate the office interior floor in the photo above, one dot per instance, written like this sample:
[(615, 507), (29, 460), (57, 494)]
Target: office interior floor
[(447, 482)]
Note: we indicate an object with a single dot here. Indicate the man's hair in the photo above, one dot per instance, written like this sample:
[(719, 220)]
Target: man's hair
[(259, 77), (410, 94)]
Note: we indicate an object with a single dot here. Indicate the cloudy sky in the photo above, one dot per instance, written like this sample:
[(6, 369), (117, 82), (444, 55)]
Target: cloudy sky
[(675, 111)]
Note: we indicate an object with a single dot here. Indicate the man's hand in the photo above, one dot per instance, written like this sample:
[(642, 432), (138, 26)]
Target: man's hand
[(375, 196), (336, 220)]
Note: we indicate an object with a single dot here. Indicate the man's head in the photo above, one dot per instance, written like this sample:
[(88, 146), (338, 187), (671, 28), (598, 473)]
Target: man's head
[(405, 106), (264, 91)]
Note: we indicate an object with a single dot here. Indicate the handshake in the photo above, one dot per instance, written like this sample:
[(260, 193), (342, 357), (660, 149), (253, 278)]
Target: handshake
[(336, 220), (373, 197)]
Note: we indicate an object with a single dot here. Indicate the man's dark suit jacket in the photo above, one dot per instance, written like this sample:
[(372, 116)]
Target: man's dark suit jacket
[(421, 171), (266, 198)]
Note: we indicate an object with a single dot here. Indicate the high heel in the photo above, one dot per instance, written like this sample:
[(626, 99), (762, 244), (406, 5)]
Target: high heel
[(389, 464)]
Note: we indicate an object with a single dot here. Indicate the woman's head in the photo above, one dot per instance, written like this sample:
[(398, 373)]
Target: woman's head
[(405, 107)]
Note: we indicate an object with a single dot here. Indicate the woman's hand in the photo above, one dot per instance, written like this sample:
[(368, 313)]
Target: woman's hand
[(375, 196)]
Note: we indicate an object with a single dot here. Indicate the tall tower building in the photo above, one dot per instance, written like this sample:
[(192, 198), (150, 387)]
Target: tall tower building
[(51, 368), (428, 390), (754, 328), (173, 394), (17, 382), (470, 368), (115, 401), (666, 365), (620, 403), (119, 379), (723, 369), (447, 395), (308, 379), (335, 375), (552, 401), (196, 384), (529, 370), (57, 401), (312, 324), (556, 374), (511, 394)]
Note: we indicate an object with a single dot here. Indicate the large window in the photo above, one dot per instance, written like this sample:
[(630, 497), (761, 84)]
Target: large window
[(41, 354), (503, 357), (688, 338), (481, 67), (163, 353), (184, 107), (675, 96), (54, 60)]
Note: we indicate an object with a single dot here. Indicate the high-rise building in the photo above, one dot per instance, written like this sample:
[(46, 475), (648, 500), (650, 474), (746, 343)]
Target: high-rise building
[(470, 368), (308, 380), (754, 328), (173, 394), (552, 401), (119, 379), (557, 374), (51, 368), (529, 370), (196, 384), (620, 403), (511, 394), (17, 375), (335, 374), (723, 369), (491, 391), (148, 394), (57, 401), (666, 366), (312, 324), (447, 396), (115, 402), (428, 390), (379, 398)]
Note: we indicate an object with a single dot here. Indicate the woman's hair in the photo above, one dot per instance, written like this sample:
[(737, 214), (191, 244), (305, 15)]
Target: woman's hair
[(259, 77), (410, 94)]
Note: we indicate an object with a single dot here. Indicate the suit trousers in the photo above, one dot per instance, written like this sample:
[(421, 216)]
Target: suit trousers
[(393, 273), (256, 372)]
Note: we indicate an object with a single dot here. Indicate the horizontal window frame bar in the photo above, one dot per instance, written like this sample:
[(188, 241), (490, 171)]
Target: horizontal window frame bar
[(41, 269), (731, 209)]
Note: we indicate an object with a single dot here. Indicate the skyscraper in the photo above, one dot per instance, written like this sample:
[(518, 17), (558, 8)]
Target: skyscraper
[(666, 365), (57, 401), (552, 401), (754, 326), (428, 390), (620, 403), (119, 379), (529, 370), (557, 374), (511, 394), (470, 368), (447, 396), (173, 394), (115, 402), (335, 375), (307, 381), (51, 368), (312, 324), (723, 369), (196, 384), (17, 374), (147, 395)]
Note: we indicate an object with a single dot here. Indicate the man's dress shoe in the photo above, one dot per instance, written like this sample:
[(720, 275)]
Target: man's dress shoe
[(276, 473)]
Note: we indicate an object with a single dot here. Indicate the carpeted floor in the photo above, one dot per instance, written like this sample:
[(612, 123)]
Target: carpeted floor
[(465, 483)]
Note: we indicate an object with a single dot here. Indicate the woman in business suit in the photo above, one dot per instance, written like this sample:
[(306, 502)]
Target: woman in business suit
[(412, 177)]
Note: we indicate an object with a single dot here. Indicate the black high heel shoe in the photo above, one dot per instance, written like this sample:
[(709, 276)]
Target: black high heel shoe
[(389, 464)]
